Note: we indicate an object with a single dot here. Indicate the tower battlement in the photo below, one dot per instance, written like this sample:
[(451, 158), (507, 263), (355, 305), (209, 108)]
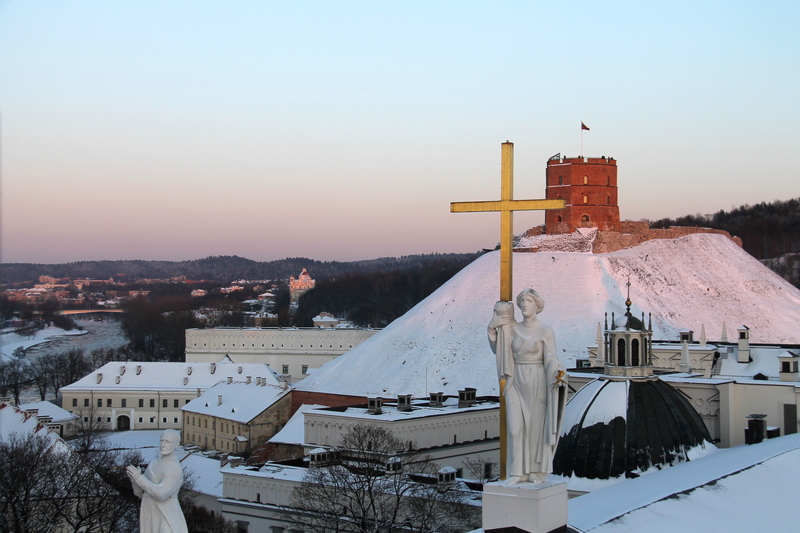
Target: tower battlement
[(589, 187)]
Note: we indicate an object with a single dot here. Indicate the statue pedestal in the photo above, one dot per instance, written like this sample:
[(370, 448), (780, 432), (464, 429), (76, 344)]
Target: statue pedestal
[(531, 507)]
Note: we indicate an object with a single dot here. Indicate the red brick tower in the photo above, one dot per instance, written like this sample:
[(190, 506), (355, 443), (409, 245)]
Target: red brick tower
[(589, 186)]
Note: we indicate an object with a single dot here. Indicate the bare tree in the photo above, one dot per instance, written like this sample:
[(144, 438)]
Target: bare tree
[(375, 483), (481, 469)]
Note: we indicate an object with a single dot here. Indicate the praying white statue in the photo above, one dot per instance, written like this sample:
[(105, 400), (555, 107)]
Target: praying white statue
[(536, 387), (158, 488)]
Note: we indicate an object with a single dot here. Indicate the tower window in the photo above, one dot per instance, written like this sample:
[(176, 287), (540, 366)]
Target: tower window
[(608, 200), (585, 218), (558, 218), (585, 199), (586, 180), (608, 181), (560, 180)]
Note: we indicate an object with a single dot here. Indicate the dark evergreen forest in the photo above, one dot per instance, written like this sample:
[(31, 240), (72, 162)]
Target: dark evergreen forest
[(377, 298)]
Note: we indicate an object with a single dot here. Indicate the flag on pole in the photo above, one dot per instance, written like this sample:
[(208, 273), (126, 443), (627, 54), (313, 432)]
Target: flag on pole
[(584, 127)]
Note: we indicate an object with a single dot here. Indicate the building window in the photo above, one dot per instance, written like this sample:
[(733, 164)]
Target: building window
[(99, 402), (108, 402), (152, 403), (164, 403), (141, 402), (164, 420), (175, 420), (99, 419), (175, 404), (85, 418), (141, 419), (608, 200), (152, 419), (124, 403), (586, 180), (585, 218), (74, 402), (585, 199), (304, 369), (560, 180), (185, 402), (285, 369), (108, 419)]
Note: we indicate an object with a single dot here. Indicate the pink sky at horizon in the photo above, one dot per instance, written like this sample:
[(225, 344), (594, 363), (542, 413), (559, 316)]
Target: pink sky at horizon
[(178, 130)]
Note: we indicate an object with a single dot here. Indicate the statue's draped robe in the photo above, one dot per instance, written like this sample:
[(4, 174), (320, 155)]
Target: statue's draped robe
[(534, 405), (158, 488)]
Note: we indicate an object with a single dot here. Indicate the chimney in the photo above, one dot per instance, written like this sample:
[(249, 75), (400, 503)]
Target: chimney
[(247, 380), (213, 367), (219, 399), (374, 405), (122, 370), (404, 402), (223, 460), (185, 380), (99, 377), (466, 397), (32, 412), (117, 380), (230, 380), (744, 344), (240, 370), (138, 369), (235, 461), (189, 371), (436, 399)]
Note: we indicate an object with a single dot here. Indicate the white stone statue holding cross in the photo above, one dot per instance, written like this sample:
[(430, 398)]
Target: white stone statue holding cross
[(532, 379)]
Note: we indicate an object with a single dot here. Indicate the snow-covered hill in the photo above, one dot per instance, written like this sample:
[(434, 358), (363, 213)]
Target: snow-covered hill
[(440, 344)]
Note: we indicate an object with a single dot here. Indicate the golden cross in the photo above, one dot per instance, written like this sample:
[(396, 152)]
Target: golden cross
[(506, 205)]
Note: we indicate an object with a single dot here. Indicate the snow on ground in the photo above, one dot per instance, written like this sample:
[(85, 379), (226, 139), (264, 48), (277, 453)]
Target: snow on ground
[(440, 344), (11, 341), (746, 488), (204, 470)]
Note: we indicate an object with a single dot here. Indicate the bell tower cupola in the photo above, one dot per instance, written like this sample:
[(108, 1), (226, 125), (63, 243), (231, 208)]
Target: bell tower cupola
[(628, 344)]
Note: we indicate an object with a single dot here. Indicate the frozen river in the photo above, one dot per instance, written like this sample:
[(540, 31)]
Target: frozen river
[(105, 334)]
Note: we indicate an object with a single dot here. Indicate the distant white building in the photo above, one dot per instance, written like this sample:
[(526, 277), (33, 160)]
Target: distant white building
[(290, 351), (130, 395)]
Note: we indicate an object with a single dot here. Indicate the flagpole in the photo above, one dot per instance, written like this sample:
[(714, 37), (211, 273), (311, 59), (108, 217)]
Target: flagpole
[(581, 139)]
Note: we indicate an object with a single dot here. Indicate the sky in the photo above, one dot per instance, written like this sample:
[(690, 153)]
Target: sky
[(343, 130)]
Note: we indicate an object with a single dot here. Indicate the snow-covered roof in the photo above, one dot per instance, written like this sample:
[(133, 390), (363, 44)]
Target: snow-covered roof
[(120, 375), (294, 430), (241, 401), (420, 409), (49, 409), (745, 488), (15, 423), (441, 343)]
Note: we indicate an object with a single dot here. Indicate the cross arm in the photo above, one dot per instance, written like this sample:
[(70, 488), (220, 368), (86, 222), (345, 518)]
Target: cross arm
[(506, 205)]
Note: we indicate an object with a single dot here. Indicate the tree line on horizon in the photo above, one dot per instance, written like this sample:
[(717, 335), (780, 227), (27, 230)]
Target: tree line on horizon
[(222, 269)]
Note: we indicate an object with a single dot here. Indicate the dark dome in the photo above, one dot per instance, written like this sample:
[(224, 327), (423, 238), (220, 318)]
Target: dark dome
[(615, 428), (628, 321)]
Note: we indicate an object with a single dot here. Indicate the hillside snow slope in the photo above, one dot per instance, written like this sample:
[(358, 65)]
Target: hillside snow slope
[(440, 344)]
